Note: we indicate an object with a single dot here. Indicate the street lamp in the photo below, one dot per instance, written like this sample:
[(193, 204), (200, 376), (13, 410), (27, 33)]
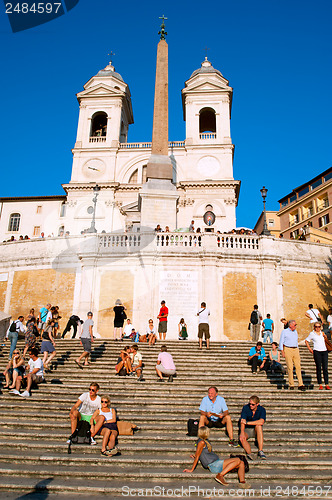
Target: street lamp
[(265, 231), (92, 228)]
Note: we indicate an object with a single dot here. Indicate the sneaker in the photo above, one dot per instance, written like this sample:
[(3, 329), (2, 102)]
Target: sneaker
[(249, 457), (261, 455), (14, 391), (245, 485), (234, 443), (254, 373), (170, 378), (25, 394), (160, 380), (140, 378), (301, 388), (327, 387), (92, 442), (320, 387), (220, 479), (68, 441)]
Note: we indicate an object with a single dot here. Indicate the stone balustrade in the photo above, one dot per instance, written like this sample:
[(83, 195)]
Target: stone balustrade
[(185, 240), (147, 145), (97, 139), (208, 135)]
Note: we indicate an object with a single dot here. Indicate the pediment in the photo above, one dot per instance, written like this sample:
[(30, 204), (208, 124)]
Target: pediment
[(130, 208), (100, 90), (206, 86)]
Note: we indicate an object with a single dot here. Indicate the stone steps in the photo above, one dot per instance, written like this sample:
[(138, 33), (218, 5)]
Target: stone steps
[(34, 454)]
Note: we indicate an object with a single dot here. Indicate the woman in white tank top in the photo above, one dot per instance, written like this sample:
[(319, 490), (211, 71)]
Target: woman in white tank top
[(104, 424)]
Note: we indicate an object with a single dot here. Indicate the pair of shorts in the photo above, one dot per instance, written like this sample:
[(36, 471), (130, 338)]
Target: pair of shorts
[(109, 425), (38, 379), (47, 346), (162, 327), (250, 430), (164, 370), (85, 418), (86, 343), (204, 329), (215, 423), (216, 466)]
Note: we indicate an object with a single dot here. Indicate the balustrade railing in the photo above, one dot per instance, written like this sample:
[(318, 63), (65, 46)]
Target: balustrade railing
[(119, 240), (97, 139), (147, 145), (208, 135), (178, 240)]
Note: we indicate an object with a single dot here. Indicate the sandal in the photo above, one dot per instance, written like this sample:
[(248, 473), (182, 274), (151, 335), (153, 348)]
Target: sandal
[(105, 453), (78, 364)]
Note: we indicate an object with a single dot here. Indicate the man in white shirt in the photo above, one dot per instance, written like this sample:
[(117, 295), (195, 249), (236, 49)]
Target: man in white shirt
[(203, 325), (85, 407), (313, 314), (137, 363), (127, 329), (36, 372)]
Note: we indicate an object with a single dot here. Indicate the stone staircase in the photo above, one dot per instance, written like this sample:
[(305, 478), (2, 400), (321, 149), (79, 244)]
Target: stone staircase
[(34, 431)]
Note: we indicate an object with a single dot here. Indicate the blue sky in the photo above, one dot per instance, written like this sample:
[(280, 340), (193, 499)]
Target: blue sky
[(276, 55)]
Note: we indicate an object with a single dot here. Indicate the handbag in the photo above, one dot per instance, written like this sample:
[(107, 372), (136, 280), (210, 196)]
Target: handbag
[(249, 326), (328, 344), (125, 428)]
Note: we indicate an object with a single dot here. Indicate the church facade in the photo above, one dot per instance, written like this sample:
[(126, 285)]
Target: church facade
[(202, 164)]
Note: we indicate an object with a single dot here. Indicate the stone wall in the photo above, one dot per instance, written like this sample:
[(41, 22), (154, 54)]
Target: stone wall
[(230, 274)]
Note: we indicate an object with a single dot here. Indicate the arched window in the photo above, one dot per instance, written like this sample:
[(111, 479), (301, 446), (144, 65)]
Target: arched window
[(99, 125), (207, 120), (133, 178), (63, 209), (14, 222)]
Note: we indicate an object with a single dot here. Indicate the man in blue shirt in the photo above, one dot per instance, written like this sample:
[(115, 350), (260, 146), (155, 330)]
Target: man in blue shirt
[(289, 347), (268, 328), (214, 413), (253, 417), (257, 358)]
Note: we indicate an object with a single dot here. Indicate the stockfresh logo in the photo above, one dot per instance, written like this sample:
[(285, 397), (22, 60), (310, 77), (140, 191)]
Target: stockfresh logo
[(28, 14)]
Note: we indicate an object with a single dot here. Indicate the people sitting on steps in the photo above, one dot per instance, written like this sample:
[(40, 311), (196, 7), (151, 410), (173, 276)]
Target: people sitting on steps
[(214, 413), (257, 358), (275, 364), (35, 374), (103, 422), (123, 365), (85, 406), (137, 363), (253, 417)]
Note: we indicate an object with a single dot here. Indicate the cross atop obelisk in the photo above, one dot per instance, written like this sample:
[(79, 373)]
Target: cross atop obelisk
[(159, 165), (158, 196)]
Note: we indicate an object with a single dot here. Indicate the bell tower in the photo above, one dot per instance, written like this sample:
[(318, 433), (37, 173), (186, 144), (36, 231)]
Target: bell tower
[(104, 118)]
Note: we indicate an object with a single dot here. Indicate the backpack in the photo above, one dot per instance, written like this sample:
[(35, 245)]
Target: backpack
[(243, 459), (192, 426), (81, 435), (12, 327), (254, 318)]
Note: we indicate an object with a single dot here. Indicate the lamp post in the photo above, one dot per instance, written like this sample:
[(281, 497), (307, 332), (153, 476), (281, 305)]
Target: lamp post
[(92, 228), (265, 231)]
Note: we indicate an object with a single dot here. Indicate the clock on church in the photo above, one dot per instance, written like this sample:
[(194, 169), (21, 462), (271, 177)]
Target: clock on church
[(93, 168)]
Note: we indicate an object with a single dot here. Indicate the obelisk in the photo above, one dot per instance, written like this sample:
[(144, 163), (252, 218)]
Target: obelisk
[(158, 196)]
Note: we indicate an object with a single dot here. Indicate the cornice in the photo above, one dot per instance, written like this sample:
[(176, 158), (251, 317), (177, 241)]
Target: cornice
[(80, 186)]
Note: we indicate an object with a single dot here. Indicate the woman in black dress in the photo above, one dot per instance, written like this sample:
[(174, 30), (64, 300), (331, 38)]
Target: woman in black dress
[(120, 316)]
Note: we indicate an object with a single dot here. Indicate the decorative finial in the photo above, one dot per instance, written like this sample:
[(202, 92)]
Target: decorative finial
[(206, 52), (162, 32), (111, 54)]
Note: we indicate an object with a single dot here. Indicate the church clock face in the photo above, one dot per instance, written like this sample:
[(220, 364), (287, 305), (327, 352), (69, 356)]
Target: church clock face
[(93, 169), (209, 218)]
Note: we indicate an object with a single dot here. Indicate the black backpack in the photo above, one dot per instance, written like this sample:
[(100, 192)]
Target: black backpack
[(12, 327), (81, 435), (192, 425), (254, 318)]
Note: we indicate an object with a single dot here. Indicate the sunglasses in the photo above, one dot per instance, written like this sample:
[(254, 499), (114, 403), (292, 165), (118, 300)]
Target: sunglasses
[(252, 404), (92, 390), (317, 326), (103, 401)]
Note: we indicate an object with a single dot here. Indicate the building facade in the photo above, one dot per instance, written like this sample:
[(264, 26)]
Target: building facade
[(308, 209)]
